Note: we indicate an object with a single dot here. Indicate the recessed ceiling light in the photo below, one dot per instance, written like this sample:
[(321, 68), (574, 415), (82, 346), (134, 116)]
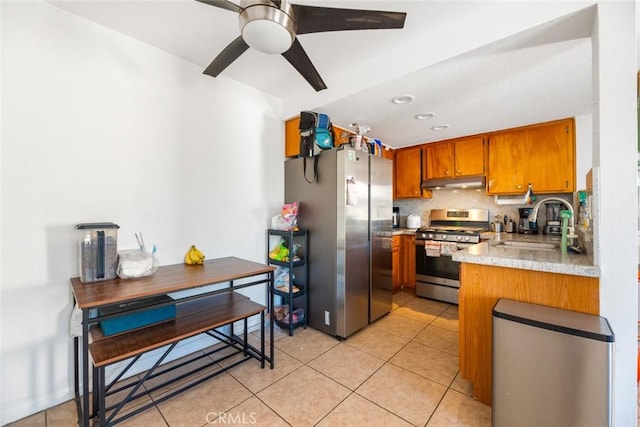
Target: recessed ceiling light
[(424, 116), (439, 127), (402, 99)]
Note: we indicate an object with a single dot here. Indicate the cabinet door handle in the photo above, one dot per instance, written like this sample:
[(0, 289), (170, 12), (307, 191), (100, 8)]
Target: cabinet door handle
[(459, 172), (519, 187)]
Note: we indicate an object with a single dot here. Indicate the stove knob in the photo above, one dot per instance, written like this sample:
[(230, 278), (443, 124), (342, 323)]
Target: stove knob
[(459, 237), (431, 236), (444, 237), (467, 238)]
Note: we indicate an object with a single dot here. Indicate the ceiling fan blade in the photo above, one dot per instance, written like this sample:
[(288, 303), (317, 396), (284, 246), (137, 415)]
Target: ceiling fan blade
[(313, 19), (222, 4), (301, 62), (226, 57)]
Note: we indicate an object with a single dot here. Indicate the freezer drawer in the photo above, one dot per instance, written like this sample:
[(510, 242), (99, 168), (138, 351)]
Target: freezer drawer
[(551, 367)]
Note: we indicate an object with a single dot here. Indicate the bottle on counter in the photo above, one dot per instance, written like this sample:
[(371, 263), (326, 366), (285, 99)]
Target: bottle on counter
[(396, 217)]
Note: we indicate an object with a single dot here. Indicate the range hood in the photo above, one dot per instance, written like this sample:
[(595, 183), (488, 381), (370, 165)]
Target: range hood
[(461, 182)]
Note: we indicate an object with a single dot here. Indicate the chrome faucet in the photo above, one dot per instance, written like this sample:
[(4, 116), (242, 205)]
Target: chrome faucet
[(533, 217)]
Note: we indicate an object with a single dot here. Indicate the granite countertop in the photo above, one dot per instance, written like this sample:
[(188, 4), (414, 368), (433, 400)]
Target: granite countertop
[(400, 231), (494, 252)]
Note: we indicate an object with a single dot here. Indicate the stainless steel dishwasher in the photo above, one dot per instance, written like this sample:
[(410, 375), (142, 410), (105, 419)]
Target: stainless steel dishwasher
[(551, 367)]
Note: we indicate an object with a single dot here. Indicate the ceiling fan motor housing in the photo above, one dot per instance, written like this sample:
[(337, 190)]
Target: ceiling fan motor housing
[(267, 28)]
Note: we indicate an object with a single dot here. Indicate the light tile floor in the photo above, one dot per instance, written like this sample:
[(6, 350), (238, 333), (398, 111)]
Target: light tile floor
[(401, 370)]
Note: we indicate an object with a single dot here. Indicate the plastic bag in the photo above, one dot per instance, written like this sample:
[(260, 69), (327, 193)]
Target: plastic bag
[(280, 252), (288, 218), (136, 263), (75, 323), (280, 312), (296, 316), (282, 281)]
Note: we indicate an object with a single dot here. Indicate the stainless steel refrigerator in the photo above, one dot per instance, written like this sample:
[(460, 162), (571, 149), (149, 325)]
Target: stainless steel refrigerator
[(348, 213)]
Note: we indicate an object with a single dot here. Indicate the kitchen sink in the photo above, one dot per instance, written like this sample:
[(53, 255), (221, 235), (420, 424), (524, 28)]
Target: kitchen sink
[(535, 246)]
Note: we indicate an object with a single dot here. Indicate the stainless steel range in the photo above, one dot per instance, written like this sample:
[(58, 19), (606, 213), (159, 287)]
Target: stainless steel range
[(449, 230)]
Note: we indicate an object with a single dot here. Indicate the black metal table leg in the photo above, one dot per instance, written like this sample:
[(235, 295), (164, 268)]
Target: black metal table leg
[(262, 339), (271, 340), (76, 377), (245, 337), (85, 368), (102, 405), (96, 386)]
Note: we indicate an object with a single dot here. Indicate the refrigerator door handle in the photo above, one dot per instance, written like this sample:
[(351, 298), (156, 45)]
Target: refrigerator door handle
[(352, 194)]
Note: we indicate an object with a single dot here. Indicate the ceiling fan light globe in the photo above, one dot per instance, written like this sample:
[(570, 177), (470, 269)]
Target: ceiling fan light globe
[(267, 36), (267, 29)]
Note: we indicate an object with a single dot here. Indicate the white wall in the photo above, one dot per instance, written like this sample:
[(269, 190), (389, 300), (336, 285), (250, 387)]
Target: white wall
[(97, 126), (615, 180), (584, 142)]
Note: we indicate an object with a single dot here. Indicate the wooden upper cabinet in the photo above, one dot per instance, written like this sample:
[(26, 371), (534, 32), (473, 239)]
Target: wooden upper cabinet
[(551, 161), (388, 153), (542, 155), (292, 137), (456, 157), (408, 172), (341, 135), (505, 173), (469, 156), (438, 160)]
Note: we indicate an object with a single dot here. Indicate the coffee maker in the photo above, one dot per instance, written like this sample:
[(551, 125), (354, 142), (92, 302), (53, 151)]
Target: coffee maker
[(553, 225), (524, 225)]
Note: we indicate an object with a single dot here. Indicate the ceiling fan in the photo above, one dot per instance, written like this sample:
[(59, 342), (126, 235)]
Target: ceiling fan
[(272, 26)]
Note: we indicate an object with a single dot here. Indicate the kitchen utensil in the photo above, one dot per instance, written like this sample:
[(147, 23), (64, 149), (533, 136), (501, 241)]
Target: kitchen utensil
[(524, 225), (552, 211), (510, 227), (553, 224), (413, 221), (98, 243), (497, 226)]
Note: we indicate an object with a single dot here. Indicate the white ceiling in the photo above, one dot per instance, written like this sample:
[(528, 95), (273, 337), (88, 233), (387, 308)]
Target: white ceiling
[(478, 65)]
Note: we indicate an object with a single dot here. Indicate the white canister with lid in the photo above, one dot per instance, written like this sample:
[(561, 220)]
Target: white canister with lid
[(413, 221)]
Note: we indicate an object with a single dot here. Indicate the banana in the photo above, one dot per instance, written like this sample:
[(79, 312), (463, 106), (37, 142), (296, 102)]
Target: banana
[(193, 256), (196, 255)]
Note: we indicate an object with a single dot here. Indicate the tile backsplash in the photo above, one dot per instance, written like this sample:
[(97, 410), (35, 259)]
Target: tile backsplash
[(465, 199)]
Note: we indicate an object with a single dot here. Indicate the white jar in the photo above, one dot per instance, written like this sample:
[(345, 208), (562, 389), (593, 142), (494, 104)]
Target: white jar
[(413, 221)]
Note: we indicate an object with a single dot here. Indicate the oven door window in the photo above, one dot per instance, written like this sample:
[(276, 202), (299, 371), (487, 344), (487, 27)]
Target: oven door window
[(441, 266)]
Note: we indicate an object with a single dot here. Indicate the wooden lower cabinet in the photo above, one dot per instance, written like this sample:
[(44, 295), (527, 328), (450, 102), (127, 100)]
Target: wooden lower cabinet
[(408, 257), (403, 259), (481, 286), (395, 263)]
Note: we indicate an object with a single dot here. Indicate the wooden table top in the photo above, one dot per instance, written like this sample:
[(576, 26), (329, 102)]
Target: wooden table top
[(169, 278)]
